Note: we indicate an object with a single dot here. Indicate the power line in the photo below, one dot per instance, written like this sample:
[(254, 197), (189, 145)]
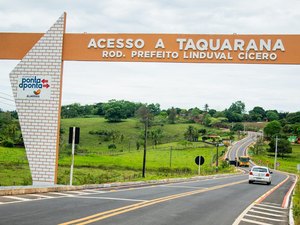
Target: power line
[(7, 99), (7, 104), (6, 94)]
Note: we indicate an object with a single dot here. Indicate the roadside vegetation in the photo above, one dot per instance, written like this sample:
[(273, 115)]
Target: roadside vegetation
[(296, 204), (287, 135), (113, 139)]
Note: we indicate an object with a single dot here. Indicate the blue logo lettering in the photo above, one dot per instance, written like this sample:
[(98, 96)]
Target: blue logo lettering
[(32, 83)]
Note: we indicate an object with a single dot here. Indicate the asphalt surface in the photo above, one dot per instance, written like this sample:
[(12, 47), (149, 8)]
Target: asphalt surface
[(212, 201), (240, 147), (220, 200)]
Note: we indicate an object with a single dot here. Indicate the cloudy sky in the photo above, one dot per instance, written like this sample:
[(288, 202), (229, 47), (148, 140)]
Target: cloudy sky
[(179, 85)]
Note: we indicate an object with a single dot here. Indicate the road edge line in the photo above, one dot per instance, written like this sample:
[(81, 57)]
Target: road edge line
[(258, 200), (265, 195), (286, 198), (291, 215)]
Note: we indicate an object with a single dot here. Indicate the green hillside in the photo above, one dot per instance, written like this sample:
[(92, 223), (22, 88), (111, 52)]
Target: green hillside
[(131, 129), (96, 163)]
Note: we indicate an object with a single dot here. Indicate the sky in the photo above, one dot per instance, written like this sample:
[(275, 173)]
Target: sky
[(181, 85)]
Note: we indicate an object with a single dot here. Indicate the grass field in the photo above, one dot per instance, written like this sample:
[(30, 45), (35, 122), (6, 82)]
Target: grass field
[(95, 163), (128, 165), (296, 204), (124, 166), (287, 164), (14, 168), (131, 129)]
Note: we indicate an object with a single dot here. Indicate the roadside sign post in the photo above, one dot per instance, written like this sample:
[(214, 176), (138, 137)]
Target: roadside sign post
[(199, 169), (74, 139), (73, 150), (199, 160), (298, 167)]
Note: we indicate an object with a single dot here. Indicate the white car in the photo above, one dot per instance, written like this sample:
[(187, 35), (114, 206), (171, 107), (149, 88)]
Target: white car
[(260, 174)]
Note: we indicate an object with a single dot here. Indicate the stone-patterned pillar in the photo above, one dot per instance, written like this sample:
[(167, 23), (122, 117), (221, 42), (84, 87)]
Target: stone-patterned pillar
[(37, 83)]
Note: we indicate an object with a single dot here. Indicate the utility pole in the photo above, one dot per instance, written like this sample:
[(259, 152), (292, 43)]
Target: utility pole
[(276, 146), (217, 159), (171, 148), (145, 147)]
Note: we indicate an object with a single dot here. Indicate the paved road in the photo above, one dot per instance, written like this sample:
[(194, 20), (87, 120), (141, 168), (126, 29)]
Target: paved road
[(218, 200), (240, 147), (210, 201)]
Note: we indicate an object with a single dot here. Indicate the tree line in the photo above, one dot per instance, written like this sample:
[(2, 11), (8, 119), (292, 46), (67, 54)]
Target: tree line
[(118, 110)]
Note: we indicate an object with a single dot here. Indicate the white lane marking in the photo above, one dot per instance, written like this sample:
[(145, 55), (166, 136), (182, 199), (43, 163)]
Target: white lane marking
[(179, 186), (266, 218), (271, 210), (17, 198), (108, 198), (264, 213), (270, 203), (61, 194), (94, 192), (180, 182), (77, 192), (41, 196), (270, 206), (287, 198), (255, 222), (241, 216)]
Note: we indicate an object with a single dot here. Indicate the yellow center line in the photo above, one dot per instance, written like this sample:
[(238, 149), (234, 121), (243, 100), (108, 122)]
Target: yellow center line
[(121, 210)]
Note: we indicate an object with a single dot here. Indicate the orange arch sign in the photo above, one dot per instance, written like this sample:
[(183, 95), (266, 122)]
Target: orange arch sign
[(176, 48), (37, 80)]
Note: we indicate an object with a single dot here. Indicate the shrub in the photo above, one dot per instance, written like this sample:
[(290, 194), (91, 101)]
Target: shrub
[(8, 143), (112, 146)]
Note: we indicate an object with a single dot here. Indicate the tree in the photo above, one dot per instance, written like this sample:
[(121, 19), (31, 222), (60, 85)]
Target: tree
[(272, 115), (237, 107), (206, 108), (99, 109), (154, 109), (218, 122), (114, 111), (258, 146), (194, 114), (191, 134), (283, 146), (114, 114), (10, 132), (293, 117), (233, 116), (237, 127), (257, 114), (156, 135), (213, 112), (273, 128), (172, 115), (207, 120), (145, 117)]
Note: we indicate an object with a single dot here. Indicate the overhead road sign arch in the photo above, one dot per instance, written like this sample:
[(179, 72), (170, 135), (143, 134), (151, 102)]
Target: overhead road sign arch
[(176, 48), (37, 80)]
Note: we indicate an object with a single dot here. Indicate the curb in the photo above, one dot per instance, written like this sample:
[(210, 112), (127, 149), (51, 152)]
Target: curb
[(117, 185), (291, 214)]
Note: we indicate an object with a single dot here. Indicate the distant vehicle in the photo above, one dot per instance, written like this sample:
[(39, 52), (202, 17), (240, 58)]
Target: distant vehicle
[(260, 174), (244, 161)]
